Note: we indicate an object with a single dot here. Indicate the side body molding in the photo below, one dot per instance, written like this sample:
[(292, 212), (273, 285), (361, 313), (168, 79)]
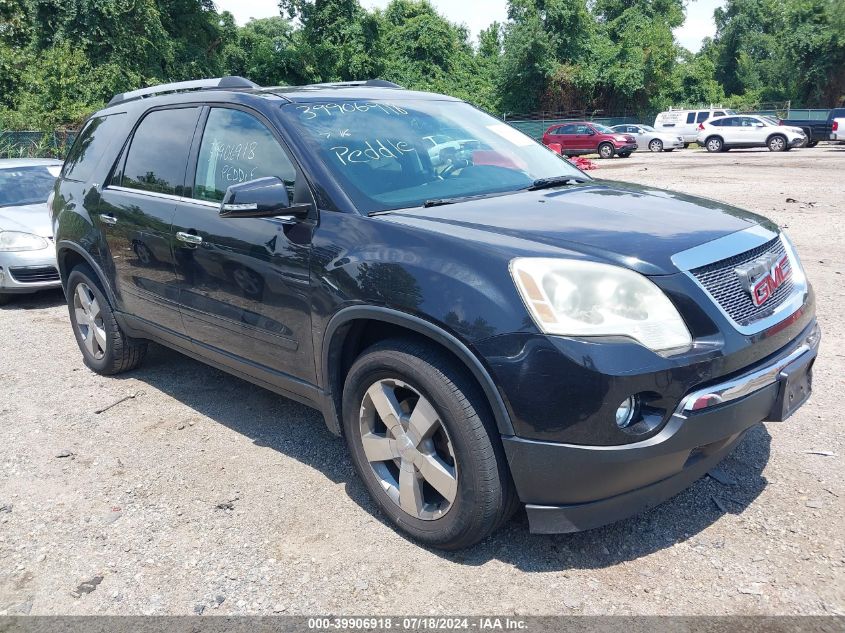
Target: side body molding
[(331, 350)]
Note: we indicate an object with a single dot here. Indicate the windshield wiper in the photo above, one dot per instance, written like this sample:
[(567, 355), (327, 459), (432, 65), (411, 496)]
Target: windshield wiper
[(554, 181)]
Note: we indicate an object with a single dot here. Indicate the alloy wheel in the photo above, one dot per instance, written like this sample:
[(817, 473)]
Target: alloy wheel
[(714, 145), (606, 151), (656, 145), (777, 144), (409, 449), (89, 321)]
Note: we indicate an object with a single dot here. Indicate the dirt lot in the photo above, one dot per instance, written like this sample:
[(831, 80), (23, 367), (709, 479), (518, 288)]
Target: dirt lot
[(206, 494)]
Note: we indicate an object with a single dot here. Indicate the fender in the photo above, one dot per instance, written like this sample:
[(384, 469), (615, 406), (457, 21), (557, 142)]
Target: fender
[(423, 327), (65, 245)]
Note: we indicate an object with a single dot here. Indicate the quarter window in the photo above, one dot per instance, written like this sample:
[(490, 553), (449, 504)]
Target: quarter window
[(691, 117), (90, 147), (158, 154), (237, 147)]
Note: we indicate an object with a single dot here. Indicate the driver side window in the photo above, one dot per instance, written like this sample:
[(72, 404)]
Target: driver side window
[(237, 147)]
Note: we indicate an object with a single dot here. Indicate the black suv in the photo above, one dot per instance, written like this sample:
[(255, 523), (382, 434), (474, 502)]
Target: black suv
[(486, 325)]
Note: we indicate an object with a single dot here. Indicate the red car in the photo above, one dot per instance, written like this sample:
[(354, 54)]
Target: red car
[(584, 137)]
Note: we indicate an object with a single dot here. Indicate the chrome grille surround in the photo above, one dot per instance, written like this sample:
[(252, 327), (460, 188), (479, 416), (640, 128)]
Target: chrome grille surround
[(724, 285), (731, 250)]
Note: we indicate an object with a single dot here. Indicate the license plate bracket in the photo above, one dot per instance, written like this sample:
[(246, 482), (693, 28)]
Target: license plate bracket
[(795, 385)]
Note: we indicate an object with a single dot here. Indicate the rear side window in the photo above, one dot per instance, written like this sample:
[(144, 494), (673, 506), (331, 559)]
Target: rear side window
[(566, 129), (702, 116), (237, 147), (691, 117), (90, 146), (158, 154)]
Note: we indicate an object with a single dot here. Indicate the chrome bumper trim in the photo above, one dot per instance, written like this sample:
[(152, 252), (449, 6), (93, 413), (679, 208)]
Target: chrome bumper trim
[(742, 386)]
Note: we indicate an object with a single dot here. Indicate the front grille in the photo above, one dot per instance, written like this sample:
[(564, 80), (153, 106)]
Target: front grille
[(724, 285), (34, 274)]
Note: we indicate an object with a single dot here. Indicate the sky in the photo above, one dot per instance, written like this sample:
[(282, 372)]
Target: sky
[(478, 14)]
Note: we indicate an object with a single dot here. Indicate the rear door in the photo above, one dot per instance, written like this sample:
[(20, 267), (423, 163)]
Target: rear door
[(565, 135), (136, 212), (244, 282)]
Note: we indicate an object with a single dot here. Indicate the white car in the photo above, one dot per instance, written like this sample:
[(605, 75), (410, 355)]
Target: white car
[(27, 254), (685, 122), (837, 130), (654, 140), (723, 133)]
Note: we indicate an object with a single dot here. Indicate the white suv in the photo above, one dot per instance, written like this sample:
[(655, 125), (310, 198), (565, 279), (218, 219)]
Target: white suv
[(723, 133)]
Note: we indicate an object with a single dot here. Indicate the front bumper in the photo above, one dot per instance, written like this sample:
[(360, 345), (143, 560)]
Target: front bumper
[(570, 487), (28, 271), (800, 141), (627, 148)]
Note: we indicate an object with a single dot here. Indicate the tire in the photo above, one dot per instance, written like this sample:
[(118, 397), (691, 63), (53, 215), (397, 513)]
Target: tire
[(671, 149), (606, 150), (625, 155), (461, 441), (5, 298), (777, 143), (105, 348), (686, 145), (714, 144), (812, 143), (655, 145)]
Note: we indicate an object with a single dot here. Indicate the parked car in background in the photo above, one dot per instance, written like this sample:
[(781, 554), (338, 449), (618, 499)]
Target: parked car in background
[(685, 123), (837, 129), (27, 256), (723, 133), (647, 136), (816, 130), (586, 137)]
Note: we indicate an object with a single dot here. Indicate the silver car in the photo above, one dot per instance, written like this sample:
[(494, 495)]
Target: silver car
[(648, 137), (27, 254)]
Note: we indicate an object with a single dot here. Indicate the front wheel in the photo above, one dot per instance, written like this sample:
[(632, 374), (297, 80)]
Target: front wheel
[(656, 145), (5, 298), (777, 143), (104, 346), (812, 143), (606, 150), (423, 442)]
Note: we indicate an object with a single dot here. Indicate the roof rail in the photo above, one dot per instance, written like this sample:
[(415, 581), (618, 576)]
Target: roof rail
[(369, 83), (179, 86)]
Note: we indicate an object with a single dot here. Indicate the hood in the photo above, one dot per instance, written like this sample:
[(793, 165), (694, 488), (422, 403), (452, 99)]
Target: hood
[(31, 218), (629, 225)]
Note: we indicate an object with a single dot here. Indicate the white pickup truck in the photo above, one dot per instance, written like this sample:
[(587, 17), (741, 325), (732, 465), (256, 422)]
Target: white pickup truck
[(837, 129)]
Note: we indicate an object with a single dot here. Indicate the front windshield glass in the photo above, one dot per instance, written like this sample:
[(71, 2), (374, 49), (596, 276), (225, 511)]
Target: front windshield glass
[(647, 128), (398, 154), (604, 129), (769, 120), (26, 185)]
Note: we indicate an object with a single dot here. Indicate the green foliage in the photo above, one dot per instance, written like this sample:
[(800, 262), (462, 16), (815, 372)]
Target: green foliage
[(62, 59)]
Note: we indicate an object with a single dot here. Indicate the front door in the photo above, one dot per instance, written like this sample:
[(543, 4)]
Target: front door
[(136, 211), (244, 282)]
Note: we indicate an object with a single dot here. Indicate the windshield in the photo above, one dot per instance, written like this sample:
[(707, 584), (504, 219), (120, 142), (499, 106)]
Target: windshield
[(397, 154), (647, 128), (604, 129), (26, 185), (769, 120)]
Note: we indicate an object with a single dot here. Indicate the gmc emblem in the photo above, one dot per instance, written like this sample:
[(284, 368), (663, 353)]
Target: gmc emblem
[(763, 276)]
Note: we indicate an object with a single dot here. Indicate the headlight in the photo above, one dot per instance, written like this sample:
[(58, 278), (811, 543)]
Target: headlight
[(620, 138), (576, 298), (17, 241)]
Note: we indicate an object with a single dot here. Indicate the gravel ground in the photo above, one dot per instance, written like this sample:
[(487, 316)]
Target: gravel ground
[(203, 493)]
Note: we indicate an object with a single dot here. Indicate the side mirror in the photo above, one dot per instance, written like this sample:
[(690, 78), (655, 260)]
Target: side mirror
[(591, 132), (261, 198)]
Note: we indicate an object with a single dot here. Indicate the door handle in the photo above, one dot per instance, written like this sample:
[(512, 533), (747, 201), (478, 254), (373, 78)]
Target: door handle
[(188, 238), (105, 218)]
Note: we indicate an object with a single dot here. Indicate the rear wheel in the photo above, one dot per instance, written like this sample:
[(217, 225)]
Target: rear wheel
[(656, 145), (686, 145), (104, 346), (714, 144), (777, 143), (422, 440), (606, 150)]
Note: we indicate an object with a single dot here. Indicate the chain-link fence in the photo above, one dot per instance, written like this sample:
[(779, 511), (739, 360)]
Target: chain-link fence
[(35, 144)]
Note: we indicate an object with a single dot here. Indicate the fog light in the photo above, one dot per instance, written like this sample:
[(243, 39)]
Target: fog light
[(626, 411)]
